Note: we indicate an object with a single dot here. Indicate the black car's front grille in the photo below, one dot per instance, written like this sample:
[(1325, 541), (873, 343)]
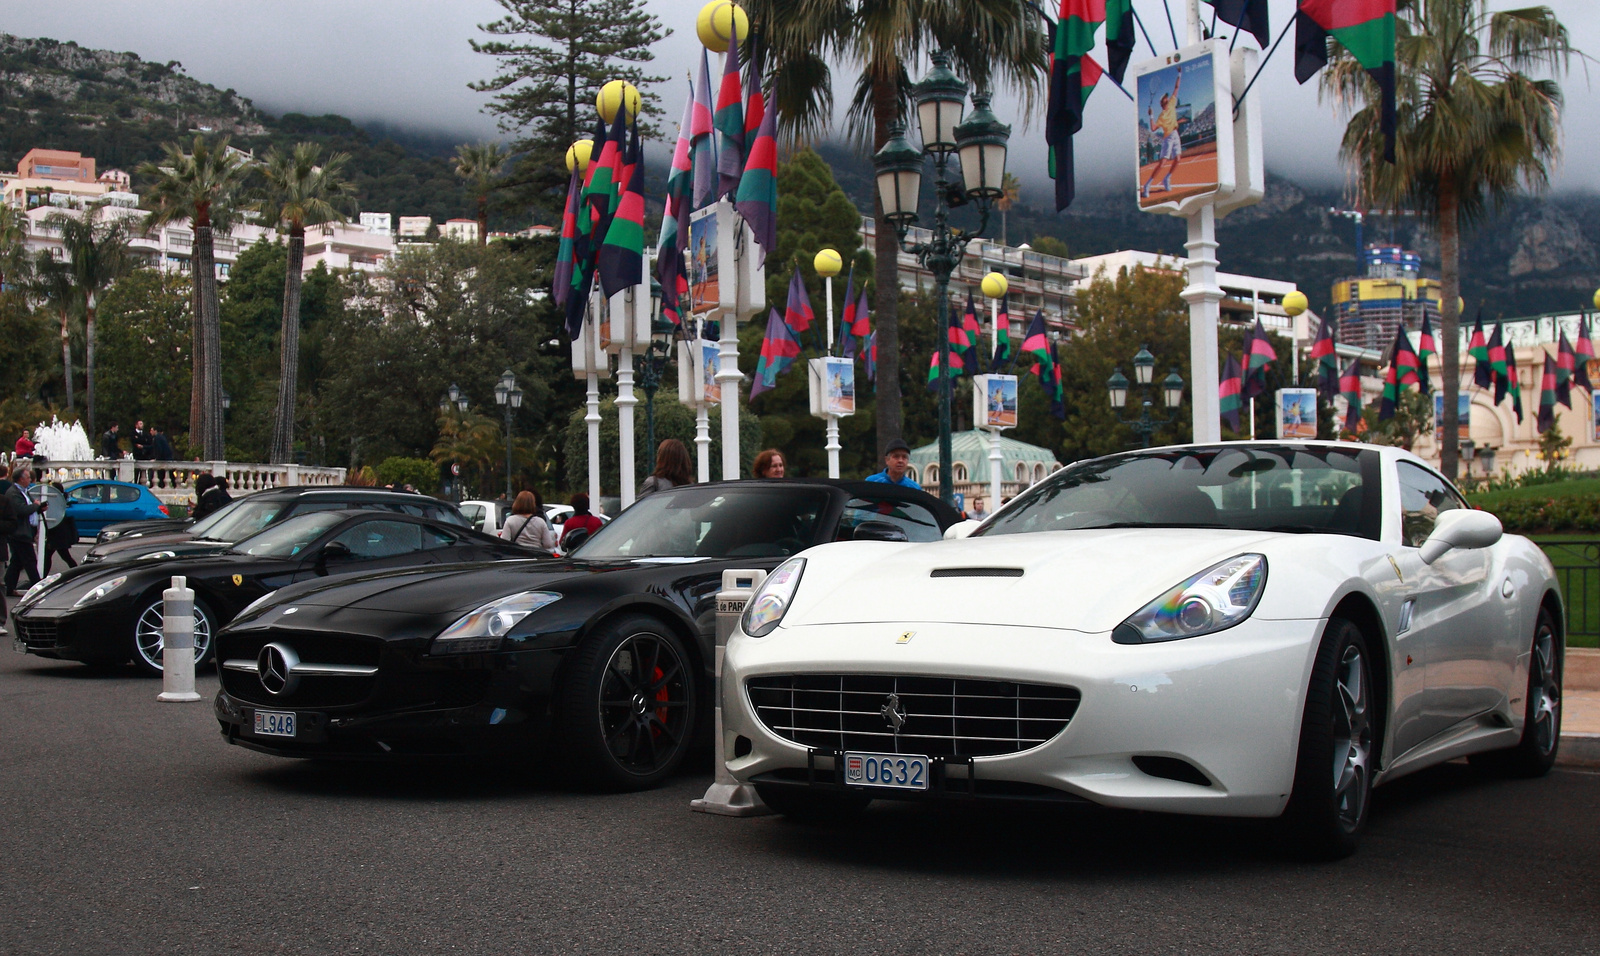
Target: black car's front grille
[(312, 691), (937, 716), (39, 635)]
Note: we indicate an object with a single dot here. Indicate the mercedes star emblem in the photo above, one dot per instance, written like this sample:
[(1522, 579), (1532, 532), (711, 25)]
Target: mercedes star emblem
[(275, 667)]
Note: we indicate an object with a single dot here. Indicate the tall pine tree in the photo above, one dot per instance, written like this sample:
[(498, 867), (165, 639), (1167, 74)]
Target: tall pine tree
[(552, 58)]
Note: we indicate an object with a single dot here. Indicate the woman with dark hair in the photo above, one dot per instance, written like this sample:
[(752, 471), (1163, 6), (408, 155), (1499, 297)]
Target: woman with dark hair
[(769, 464), (61, 538), (581, 519), (202, 484), (527, 526), (672, 468)]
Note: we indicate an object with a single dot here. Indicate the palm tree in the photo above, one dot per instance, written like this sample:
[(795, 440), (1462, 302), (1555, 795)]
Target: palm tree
[(1011, 191), (13, 247), (479, 164), (51, 283), (1472, 129), (97, 255), (299, 193), (988, 41), (201, 186)]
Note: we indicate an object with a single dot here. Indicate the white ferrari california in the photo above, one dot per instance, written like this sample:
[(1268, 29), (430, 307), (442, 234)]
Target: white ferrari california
[(1253, 629)]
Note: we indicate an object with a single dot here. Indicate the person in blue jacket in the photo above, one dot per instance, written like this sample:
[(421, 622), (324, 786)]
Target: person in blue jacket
[(896, 464)]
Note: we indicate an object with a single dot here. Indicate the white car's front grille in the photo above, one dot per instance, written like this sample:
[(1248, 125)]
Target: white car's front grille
[(936, 716)]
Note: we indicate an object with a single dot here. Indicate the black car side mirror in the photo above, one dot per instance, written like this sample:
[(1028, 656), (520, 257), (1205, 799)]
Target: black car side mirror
[(333, 551), (575, 537), (879, 531)]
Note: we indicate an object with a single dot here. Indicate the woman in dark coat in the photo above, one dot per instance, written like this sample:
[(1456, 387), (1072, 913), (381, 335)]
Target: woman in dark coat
[(61, 538)]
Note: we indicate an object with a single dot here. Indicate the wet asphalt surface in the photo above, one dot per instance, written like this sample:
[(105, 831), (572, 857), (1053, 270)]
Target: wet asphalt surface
[(129, 826)]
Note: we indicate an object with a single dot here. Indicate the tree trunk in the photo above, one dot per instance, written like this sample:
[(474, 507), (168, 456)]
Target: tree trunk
[(483, 221), (211, 345), (197, 362), (1450, 321), (886, 275), (88, 362), (289, 351), (66, 358)]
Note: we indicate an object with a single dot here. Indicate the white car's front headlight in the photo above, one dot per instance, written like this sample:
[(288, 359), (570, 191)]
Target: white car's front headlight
[(101, 590), (39, 589), (485, 628), (1218, 597), (771, 601)]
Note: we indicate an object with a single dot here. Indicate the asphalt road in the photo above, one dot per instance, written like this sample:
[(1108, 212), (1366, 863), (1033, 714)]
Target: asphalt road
[(129, 826)]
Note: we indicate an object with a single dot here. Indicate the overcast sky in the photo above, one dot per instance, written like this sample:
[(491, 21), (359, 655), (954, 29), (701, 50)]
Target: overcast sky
[(407, 63)]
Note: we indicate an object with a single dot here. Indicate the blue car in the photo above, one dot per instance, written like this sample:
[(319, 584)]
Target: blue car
[(95, 503)]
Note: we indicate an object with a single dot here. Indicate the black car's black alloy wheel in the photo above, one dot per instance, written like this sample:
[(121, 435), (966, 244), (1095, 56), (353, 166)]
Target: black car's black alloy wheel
[(627, 704), (149, 636)]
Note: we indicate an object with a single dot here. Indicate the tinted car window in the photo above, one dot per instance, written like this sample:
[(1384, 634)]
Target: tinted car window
[(437, 538), (712, 522), (1423, 496), (87, 494), (916, 521), (382, 539), (474, 514), (289, 537), (243, 521), (124, 495)]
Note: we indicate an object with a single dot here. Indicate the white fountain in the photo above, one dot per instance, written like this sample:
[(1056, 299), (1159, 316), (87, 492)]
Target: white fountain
[(62, 441)]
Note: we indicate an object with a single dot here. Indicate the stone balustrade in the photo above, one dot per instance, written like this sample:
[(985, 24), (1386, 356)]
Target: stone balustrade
[(173, 481)]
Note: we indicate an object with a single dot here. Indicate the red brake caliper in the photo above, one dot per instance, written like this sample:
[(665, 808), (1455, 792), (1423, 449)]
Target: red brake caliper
[(661, 697)]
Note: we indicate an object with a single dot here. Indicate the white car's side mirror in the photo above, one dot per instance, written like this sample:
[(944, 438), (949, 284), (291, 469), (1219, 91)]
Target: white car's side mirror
[(961, 529), (1460, 529)]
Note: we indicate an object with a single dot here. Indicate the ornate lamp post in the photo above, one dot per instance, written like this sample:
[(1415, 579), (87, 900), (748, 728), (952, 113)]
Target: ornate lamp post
[(1144, 365), (508, 396), (981, 143), (655, 362), (454, 400)]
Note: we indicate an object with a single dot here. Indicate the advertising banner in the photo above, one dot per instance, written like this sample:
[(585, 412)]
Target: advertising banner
[(1463, 411), (1297, 413), (995, 401), (704, 291)]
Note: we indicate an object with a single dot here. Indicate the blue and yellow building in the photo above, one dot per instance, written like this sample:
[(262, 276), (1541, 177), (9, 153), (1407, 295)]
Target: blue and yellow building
[(1370, 308)]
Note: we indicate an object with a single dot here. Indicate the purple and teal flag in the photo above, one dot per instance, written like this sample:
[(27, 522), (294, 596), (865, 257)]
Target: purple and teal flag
[(702, 141), (1230, 392), (779, 349), (729, 121), (1259, 357), (1350, 388), (757, 198), (797, 312), (847, 319), (674, 240), (561, 282)]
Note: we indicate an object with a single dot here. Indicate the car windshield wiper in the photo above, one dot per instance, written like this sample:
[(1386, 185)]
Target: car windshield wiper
[(1149, 524), (1303, 529)]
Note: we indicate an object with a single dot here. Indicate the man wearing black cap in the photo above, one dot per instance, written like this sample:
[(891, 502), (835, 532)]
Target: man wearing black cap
[(896, 461)]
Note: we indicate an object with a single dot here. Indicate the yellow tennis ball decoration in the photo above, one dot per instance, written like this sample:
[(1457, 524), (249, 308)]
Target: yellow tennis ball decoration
[(1295, 303), (1597, 298), (578, 156), (995, 285), (613, 95), (718, 22), (828, 263)]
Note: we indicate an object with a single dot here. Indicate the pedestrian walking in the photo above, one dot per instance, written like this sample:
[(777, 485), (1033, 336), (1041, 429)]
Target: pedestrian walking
[(527, 526), (672, 468), (20, 540), (61, 538)]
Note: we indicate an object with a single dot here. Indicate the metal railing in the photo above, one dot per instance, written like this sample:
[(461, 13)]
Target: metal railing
[(1577, 564)]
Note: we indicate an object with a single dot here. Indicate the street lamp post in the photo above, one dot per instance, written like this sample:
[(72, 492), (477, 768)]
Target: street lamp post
[(981, 143), (454, 399), (508, 396), (1145, 425), (655, 362)]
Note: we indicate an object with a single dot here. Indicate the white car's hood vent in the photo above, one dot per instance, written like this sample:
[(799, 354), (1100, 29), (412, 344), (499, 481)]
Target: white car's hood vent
[(976, 573)]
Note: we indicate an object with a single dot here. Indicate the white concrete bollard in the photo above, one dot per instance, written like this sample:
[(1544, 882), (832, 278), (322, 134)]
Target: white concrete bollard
[(177, 642), (727, 796)]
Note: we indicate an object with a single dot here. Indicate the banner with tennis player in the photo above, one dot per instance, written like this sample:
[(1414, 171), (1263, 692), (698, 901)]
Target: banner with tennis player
[(1185, 154)]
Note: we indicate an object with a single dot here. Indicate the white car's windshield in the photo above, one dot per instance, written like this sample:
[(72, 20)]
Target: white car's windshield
[(713, 521), (1289, 488)]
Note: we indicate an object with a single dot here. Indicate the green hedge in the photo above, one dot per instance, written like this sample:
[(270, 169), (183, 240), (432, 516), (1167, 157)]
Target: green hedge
[(1571, 513)]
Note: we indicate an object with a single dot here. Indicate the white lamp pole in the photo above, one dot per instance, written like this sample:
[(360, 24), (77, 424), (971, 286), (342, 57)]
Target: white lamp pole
[(828, 263)]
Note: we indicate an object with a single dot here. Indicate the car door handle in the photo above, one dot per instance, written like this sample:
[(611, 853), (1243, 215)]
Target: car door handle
[(1507, 588)]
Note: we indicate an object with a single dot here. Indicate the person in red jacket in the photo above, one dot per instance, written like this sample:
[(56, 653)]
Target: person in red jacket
[(580, 518), (25, 445)]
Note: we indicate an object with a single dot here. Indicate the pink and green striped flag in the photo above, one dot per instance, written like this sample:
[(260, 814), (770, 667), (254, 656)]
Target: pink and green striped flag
[(757, 199)]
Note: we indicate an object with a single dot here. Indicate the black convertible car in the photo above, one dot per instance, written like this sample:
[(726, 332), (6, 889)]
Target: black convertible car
[(105, 614), (607, 653)]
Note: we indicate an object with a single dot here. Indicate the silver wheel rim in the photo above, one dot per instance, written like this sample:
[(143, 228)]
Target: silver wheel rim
[(149, 634), (1352, 738), (1546, 691)]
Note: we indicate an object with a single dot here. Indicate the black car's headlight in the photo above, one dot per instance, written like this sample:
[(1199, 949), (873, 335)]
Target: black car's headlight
[(771, 601), (485, 628), (101, 590), (105, 536), (1217, 598), (39, 589), (158, 555)]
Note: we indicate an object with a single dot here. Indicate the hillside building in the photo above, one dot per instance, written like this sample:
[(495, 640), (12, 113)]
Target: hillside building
[(1370, 308), (54, 177), (461, 230)]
